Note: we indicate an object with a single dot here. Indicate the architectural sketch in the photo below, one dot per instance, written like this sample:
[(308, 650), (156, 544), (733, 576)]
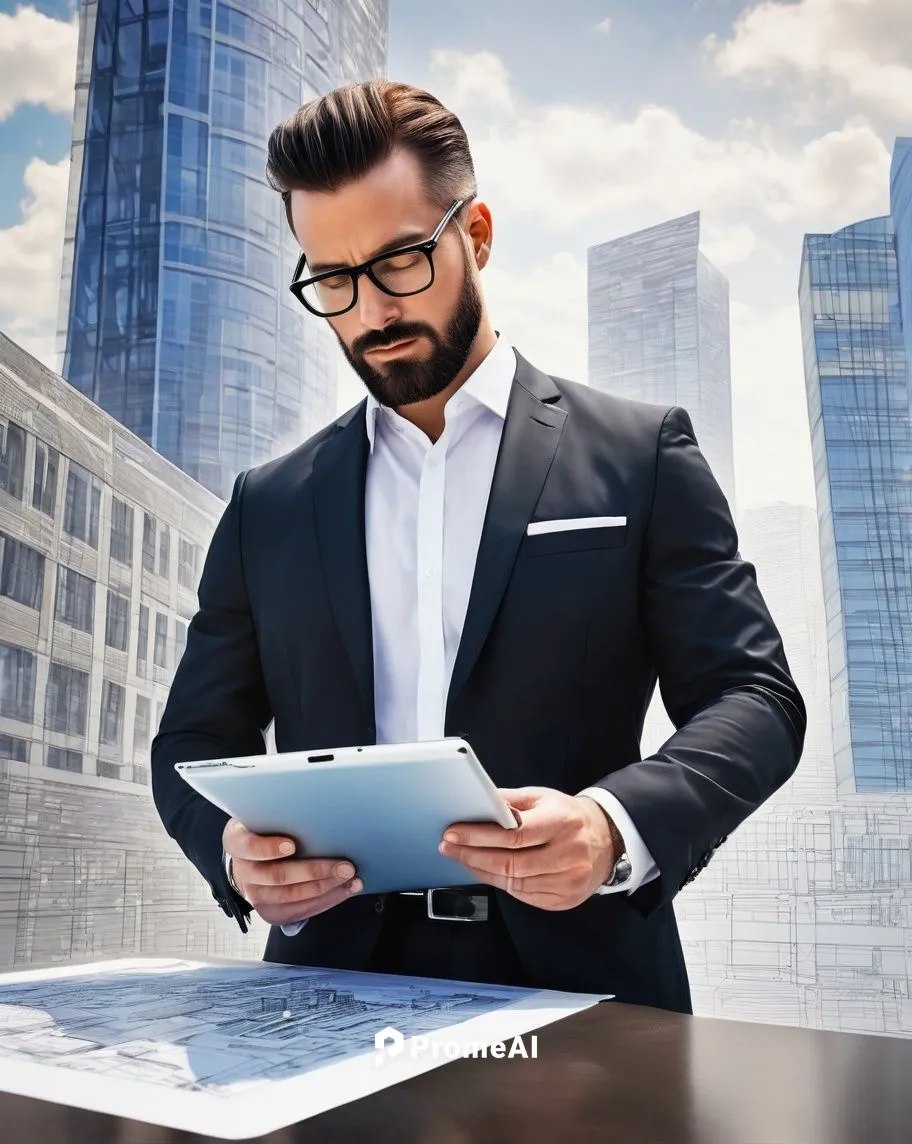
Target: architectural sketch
[(222, 1029), (195, 1045)]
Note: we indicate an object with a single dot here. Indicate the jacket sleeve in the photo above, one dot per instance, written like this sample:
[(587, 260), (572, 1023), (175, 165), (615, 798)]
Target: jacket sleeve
[(217, 707), (740, 720)]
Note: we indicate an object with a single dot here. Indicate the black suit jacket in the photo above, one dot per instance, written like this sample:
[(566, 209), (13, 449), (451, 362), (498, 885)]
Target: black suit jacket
[(565, 637)]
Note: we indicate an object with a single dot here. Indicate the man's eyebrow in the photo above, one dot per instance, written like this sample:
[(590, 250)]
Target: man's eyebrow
[(405, 239)]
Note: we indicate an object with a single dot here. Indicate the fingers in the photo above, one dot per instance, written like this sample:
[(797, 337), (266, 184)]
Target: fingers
[(299, 887), (240, 842), (505, 863), (291, 872), (303, 894), (523, 798), (552, 891), (282, 915), (537, 827)]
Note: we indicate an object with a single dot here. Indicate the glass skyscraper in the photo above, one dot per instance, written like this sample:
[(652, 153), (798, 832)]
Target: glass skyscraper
[(856, 315), (175, 315), (659, 331)]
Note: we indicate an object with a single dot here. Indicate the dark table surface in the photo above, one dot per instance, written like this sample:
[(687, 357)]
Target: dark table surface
[(612, 1073)]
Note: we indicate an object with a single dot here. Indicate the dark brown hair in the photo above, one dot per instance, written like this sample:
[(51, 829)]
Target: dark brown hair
[(339, 137)]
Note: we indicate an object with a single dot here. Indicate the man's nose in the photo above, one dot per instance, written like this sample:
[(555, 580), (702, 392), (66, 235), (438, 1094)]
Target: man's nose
[(375, 308)]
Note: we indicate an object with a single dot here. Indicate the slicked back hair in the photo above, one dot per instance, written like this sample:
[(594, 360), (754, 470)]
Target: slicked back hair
[(338, 138)]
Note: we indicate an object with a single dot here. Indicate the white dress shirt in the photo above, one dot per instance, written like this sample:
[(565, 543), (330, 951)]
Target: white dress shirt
[(425, 505)]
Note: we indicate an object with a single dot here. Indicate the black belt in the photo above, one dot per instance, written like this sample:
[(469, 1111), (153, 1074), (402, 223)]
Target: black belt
[(453, 904)]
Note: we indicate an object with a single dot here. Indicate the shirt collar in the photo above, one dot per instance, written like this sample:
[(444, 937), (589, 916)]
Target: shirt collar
[(488, 385)]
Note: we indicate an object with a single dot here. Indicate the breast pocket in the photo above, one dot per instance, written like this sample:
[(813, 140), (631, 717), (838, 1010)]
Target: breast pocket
[(549, 537)]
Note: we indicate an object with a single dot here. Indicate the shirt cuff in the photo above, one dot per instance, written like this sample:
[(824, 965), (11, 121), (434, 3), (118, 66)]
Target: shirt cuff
[(643, 868), (290, 930)]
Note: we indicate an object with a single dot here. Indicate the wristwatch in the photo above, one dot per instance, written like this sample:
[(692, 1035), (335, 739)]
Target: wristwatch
[(622, 868), (621, 872)]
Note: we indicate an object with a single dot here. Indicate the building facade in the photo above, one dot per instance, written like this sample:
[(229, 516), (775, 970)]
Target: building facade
[(659, 331), (174, 314), (802, 917), (856, 317), (101, 547)]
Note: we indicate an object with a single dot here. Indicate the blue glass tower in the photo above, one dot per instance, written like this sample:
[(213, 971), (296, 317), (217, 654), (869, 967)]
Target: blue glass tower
[(174, 312), (659, 331), (856, 314)]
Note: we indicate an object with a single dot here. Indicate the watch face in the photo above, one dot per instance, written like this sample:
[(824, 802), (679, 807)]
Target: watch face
[(622, 871)]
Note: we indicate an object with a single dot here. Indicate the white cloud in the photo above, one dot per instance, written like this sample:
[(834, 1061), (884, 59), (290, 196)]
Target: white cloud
[(604, 26), (30, 260), (476, 79), (542, 311), (857, 50), (568, 164), (37, 61), (727, 245)]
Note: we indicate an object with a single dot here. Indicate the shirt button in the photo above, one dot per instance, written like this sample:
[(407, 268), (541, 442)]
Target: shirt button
[(429, 572)]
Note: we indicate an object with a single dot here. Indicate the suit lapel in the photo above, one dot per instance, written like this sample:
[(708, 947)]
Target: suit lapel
[(340, 468), (530, 436)]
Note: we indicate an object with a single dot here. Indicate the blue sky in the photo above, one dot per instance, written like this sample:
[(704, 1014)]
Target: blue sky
[(587, 120)]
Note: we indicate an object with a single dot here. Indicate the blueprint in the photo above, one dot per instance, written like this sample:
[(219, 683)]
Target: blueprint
[(195, 1045)]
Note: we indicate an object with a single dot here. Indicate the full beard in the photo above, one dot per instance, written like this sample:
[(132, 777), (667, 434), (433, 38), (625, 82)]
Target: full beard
[(403, 381)]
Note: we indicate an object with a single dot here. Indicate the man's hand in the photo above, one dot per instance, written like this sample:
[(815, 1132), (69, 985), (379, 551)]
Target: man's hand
[(281, 889), (556, 859)]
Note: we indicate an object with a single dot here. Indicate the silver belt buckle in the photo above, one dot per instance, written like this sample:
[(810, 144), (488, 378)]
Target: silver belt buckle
[(480, 902)]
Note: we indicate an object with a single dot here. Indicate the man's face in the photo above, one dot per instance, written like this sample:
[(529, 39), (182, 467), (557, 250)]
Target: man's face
[(436, 327)]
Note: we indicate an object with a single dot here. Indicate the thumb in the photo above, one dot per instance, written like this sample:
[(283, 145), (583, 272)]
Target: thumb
[(523, 798)]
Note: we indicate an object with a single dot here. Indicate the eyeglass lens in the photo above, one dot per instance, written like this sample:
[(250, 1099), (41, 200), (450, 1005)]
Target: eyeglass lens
[(401, 274)]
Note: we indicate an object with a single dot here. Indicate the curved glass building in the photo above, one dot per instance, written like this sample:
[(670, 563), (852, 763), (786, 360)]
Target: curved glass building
[(175, 315), (856, 316)]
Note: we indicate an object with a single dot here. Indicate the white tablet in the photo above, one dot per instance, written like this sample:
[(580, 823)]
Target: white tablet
[(384, 807)]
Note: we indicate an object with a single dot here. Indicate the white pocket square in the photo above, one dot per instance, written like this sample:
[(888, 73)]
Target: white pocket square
[(575, 522)]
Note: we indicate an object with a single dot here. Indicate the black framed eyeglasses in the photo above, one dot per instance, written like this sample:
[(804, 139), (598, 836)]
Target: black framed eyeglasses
[(400, 272)]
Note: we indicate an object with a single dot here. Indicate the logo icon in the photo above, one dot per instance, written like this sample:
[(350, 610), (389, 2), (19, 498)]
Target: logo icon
[(389, 1042)]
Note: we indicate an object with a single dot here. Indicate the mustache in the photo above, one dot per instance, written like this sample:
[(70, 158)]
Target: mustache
[(380, 339)]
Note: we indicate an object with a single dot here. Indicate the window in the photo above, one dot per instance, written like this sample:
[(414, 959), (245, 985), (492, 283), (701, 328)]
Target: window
[(112, 714), (122, 532), (21, 572), (44, 489), (180, 640), (63, 759), (13, 748), (142, 642), (160, 654), (82, 509), (118, 621), (188, 564), (67, 701), (148, 555), (17, 683), (142, 729), (75, 599), (12, 458), (107, 770), (164, 552)]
